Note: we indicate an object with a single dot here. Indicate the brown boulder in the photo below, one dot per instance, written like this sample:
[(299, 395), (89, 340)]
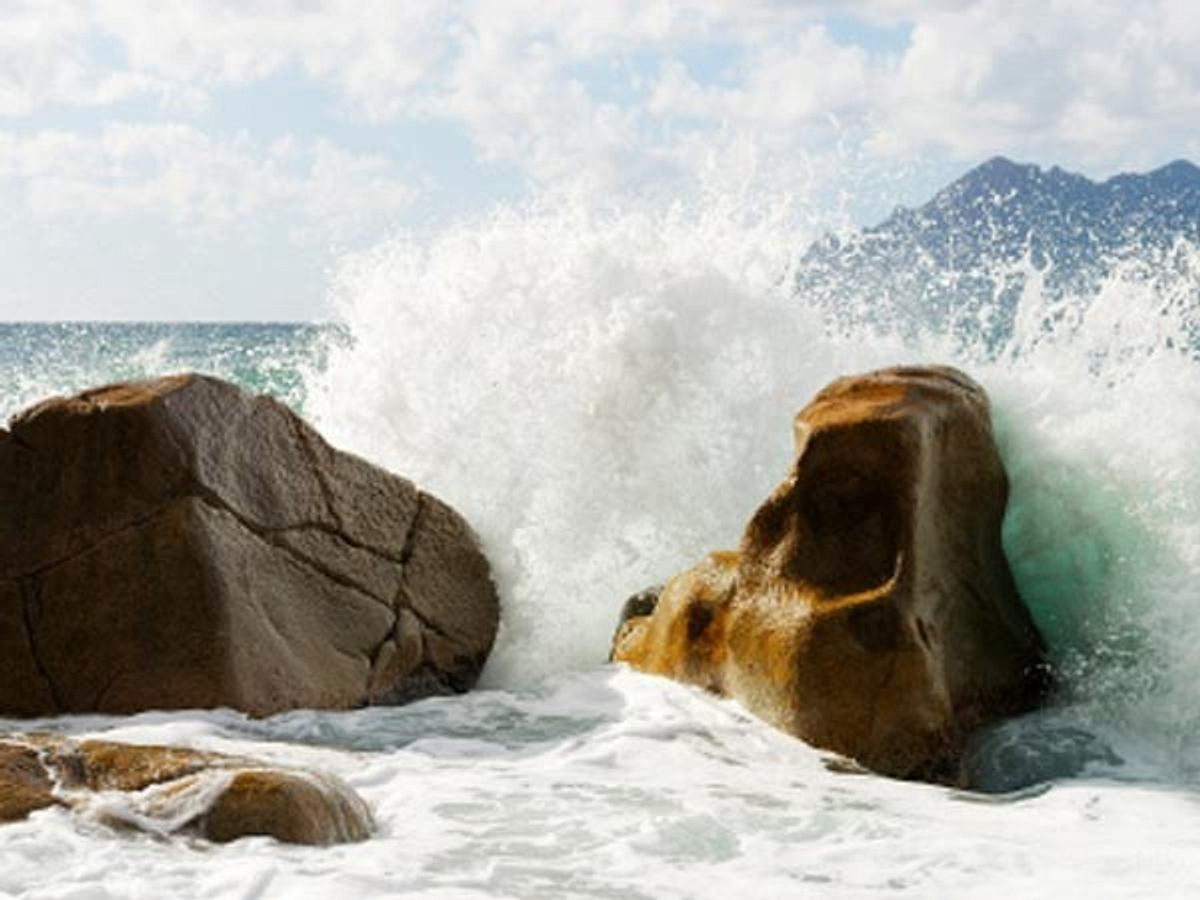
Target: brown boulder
[(296, 808), (870, 609), (176, 790), (25, 784), (178, 543)]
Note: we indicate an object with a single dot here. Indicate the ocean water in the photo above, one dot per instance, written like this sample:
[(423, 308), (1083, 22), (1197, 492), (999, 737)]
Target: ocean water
[(38, 360), (607, 395)]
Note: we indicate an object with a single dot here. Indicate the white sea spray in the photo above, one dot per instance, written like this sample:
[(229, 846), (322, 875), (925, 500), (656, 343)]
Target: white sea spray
[(608, 394)]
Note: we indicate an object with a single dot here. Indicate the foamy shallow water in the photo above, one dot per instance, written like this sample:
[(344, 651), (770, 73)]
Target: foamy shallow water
[(608, 783)]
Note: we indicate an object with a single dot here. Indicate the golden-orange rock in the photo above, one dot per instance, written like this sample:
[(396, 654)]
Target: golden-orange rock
[(25, 784), (869, 609), (171, 789), (297, 808)]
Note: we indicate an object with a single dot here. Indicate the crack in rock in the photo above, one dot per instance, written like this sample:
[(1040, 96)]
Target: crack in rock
[(98, 541), (403, 600), (410, 539), (30, 610)]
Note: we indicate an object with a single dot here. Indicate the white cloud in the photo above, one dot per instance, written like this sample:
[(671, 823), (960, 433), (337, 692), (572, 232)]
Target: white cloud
[(1089, 84), (1098, 85), (51, 54), (197, 181), (807, 80), (1104, 83), (375, 52)]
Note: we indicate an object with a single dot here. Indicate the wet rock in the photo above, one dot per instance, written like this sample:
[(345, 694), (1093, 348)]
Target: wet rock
[(640, 604), (171, 790), (25, 784), (290, 807), (179, 543), (869, 609)]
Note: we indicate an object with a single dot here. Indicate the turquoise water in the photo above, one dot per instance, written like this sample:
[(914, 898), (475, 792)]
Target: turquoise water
[(38, 360)]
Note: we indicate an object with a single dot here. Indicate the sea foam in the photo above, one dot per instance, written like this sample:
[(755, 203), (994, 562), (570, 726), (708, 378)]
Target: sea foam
[(607, 395)]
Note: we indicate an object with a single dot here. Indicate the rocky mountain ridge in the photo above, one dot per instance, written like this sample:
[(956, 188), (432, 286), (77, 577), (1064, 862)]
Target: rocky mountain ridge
[(970, 250)]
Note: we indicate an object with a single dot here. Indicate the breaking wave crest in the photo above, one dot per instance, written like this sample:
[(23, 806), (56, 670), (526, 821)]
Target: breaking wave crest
[(607, 395)]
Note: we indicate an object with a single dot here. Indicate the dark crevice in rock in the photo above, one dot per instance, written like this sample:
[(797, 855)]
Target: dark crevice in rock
[(273, 537), (213, 501), (18, 440), (194, 486), (323, 527), (373, 657), (431, 625), (400, 597), (403, 601), (414, 527), (100, 540), (30, 610), (423, 682), (462, 676), (427, 679), (98, 702)]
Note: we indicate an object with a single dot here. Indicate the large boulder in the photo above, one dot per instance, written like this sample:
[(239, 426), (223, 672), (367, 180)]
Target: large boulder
[(176, 790), (870, 609), (179, 543)]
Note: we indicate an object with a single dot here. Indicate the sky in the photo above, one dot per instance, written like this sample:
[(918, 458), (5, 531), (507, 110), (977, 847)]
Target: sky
[(211, 160)]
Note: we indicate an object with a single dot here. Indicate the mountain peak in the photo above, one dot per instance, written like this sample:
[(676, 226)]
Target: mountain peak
[(997, 170), (1000, 165), (960, 249), (1002, 177), (1178, 171), (1002, 172)]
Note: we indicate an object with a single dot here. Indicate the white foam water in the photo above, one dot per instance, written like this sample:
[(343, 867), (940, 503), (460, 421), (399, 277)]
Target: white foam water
[(607, 395), (606, 783)]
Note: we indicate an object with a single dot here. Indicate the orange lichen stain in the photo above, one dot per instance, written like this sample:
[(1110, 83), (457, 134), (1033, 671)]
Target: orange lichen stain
[(137, 393)]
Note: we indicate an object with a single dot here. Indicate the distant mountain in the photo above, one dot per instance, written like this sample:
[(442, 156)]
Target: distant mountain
[(967, 253)]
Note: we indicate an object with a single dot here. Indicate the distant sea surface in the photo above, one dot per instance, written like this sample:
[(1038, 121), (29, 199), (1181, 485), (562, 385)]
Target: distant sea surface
[(41, 359)]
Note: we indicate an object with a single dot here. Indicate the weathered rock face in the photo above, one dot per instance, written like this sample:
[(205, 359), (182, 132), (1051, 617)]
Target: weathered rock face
[(179, 543), (173, 790), (870, 609)]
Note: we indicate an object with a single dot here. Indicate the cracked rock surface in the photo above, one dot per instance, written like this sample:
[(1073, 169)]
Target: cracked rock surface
[(869, 608), (179, 543)]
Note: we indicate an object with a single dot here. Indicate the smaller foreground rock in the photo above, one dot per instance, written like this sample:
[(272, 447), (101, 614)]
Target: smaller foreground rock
[(173, 790), (178, 543), (25, 784), (869, 609)]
